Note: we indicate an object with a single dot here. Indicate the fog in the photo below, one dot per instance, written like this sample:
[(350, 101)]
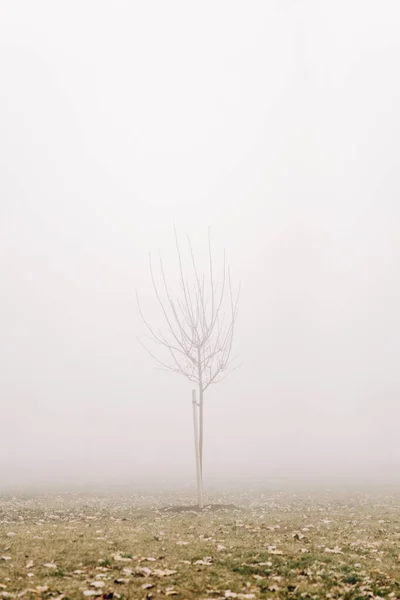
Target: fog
[(276, 124)]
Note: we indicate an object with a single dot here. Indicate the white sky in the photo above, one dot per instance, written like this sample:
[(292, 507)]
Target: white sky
[(275, 123)]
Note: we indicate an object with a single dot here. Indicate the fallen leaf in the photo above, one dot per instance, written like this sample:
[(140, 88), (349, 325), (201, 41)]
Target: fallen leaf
[(335, 550), (27, 591), (207, 560), (143, 571), (166, 573), (120, 558)]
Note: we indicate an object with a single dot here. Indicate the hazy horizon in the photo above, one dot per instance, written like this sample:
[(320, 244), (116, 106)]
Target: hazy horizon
[(275, 124)]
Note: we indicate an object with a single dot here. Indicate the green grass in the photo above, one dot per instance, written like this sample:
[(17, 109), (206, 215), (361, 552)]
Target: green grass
[(273, 545)]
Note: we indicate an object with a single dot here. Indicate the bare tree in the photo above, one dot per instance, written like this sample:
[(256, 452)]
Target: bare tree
[(199, 327)]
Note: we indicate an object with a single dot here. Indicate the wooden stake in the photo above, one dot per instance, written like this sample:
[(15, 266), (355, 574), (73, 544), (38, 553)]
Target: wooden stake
[(197, 451)]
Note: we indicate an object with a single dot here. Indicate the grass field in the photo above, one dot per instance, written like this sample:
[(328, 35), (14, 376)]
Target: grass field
[(270, 545)]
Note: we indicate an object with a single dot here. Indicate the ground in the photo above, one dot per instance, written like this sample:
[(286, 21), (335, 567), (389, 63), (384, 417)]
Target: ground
[(269, 545)]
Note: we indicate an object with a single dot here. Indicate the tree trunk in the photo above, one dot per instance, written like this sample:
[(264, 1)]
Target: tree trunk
[(201, 440), (197, 451), (200, 374), (201, 429)]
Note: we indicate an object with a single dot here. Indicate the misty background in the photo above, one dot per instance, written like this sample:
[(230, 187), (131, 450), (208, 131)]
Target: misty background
[(277, 124)]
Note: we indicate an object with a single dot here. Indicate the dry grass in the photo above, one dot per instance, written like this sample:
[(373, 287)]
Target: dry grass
[(273, 545)]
